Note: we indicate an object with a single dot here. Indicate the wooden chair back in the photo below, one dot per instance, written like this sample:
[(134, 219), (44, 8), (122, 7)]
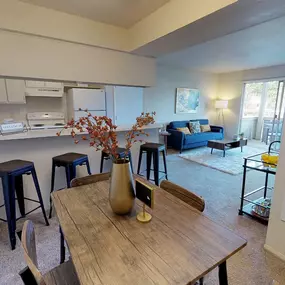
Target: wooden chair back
[(76, 182), (183, 194), (30, 251)]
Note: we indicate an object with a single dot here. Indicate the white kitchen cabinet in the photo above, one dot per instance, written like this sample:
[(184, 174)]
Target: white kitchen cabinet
[(3, 92), (128, 104), (15, 91), (12, 91)]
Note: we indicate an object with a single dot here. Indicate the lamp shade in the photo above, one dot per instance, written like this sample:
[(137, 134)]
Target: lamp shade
[(221, 104)]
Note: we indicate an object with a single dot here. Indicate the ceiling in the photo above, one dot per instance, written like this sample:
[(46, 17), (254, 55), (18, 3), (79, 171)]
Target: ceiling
[(258, 46), (123, 13), (233, 18)]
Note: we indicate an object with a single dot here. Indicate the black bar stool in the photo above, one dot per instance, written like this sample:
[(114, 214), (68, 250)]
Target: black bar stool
[(69, 161), (11, 173), (153, 149), (122, 153)]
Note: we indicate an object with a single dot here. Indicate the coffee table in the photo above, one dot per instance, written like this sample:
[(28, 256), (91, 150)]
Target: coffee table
[(226, 144)]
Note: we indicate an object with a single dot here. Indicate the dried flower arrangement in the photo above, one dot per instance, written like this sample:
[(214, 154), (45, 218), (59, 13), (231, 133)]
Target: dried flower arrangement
[(102, 132)]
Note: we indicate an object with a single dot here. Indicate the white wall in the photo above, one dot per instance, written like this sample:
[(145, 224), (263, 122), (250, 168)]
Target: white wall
[(36, 57), (230, 87), (275, 241), (161, 97)]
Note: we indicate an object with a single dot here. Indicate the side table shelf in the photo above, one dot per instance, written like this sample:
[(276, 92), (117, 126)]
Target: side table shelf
[(252, 198)]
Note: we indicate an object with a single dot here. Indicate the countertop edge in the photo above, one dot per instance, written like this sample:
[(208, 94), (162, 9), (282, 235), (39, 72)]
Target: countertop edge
[(32, 134)]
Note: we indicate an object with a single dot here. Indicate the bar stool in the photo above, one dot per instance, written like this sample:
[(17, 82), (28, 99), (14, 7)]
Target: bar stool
[(11, 173), (69, 161), (122, 153), (153, 149)]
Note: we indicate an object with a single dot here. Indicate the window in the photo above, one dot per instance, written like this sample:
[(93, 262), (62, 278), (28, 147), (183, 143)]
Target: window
[(271, 97), (252, 99)]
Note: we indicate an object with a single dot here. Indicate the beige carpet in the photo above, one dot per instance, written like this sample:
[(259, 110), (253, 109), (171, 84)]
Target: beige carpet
[(251, 266), (231, 163)]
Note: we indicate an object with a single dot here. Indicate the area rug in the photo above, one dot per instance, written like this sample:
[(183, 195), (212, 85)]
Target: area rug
[(232, 163)]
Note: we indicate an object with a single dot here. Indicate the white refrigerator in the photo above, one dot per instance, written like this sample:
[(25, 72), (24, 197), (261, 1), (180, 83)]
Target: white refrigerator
[(94, 100)]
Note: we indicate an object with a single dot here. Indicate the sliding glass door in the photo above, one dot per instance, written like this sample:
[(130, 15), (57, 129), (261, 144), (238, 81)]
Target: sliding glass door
[(263, 110), (275, 131)]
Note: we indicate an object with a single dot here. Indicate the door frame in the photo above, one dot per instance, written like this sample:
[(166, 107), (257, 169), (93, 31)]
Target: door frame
[(244, 82)]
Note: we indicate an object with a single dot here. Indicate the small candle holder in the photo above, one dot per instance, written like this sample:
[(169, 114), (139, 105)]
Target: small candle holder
[(143, 216)]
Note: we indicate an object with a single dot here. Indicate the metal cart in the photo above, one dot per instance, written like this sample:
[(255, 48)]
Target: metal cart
[(249, 199)]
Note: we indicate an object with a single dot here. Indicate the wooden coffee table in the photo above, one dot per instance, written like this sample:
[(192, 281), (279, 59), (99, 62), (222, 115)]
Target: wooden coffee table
[(226, 144)]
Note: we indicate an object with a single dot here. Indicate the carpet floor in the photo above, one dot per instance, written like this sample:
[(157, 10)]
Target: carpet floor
[(221, 191), (231, 163)]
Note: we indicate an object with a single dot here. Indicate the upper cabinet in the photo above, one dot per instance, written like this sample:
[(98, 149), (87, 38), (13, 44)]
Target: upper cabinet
[(12, 91), (16, 91)]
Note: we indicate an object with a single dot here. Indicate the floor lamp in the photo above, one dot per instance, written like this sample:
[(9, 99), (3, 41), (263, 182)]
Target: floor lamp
[(220, 105)]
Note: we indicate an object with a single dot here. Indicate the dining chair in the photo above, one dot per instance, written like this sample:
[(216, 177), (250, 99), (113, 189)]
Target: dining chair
[(183, 194), (76, 182), (60, 275), (188, 197)]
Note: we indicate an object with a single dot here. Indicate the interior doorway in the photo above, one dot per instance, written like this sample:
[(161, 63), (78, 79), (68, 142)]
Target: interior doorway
[(263, 110)]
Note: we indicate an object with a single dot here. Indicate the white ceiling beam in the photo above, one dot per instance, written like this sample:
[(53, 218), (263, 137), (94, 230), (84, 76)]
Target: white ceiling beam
[(171, 17)]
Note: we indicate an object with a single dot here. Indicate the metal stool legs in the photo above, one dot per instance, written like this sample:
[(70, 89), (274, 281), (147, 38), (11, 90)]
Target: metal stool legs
[(10, 210), (19, 188), (156, 167), (155, 155), (164, 162), (36, 182), (140, 162), (88, 167), (51, 188)]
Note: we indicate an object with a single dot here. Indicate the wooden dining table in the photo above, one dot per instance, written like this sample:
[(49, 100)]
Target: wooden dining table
[(178, 246)]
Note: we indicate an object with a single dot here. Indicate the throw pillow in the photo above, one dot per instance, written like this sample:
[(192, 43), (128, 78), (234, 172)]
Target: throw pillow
[(184, 130), (205, 128), (195, 127)]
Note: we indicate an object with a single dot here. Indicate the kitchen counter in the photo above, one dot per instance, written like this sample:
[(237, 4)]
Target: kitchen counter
[(32, 134), (40, 146)]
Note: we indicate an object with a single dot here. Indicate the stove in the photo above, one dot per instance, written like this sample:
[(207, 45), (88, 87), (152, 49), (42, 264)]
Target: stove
[(46, 120)]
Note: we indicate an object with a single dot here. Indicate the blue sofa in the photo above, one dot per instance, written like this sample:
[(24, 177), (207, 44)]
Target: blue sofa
[(178, 140)]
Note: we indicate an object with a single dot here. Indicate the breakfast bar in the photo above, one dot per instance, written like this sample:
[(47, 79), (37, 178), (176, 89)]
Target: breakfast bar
[(39, 146)]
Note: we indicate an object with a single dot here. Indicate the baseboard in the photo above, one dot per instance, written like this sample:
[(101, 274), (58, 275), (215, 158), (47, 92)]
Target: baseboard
[(274, 252)]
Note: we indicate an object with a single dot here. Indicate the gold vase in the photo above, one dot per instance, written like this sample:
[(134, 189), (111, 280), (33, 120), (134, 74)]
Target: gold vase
[(122, 191)]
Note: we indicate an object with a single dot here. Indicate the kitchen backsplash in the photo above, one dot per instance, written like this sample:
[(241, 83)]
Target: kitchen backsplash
[(34, 104)]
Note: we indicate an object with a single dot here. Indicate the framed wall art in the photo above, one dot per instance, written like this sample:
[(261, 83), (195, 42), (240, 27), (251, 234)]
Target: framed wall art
[(187, 100)]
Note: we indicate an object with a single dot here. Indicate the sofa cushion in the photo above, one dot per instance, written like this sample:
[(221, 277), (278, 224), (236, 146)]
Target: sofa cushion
[(205, 128), (200, 137), (182, 124), (185, 130), (194, 127)]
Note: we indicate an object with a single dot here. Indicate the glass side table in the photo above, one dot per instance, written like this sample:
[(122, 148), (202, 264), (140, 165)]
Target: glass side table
[(253, 198)]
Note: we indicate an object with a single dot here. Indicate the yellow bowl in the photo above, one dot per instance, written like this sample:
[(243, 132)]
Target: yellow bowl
[(269, 159)]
